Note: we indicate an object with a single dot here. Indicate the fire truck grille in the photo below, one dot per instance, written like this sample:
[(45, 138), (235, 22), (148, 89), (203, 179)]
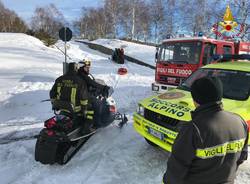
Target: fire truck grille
[(161, 120), (170, 80)]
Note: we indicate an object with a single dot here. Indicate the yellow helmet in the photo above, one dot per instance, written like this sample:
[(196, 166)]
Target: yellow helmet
[(85, 62)]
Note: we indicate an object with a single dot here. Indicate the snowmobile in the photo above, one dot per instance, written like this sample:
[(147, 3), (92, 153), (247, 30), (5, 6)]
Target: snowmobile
[(62, 137)]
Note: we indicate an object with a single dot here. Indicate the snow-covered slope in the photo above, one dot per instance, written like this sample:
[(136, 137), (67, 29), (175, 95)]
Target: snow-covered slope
[(112, 156), (141, 52)]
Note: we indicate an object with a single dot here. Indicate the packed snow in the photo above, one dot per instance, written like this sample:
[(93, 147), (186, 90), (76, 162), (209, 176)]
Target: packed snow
[(111, 156)]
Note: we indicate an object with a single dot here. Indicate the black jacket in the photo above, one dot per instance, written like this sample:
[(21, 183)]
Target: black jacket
[(71, 88), (209, 149), (90, 82)]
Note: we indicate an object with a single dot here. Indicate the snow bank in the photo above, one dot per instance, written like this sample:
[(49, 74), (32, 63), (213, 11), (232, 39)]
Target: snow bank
[(20, 40), (141, 52)]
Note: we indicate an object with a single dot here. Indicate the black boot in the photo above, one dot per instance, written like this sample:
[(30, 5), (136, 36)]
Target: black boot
[(88, 127)]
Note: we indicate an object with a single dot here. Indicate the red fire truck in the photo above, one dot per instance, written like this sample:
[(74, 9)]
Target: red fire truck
[(177, 58)]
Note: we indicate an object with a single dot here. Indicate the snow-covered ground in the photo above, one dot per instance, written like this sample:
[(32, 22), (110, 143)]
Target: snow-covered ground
[(141, 52), (112, 156)]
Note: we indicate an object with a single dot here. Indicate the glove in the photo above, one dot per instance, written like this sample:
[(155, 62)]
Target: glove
[(105, 91)]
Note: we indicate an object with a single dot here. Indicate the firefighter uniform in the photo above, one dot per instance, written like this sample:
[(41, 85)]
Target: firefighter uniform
[(91, 83), (71, 88), (95, 111), (209, 149)]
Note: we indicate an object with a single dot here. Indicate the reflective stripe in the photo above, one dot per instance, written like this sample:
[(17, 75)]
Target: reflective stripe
[(90, 112), (221, 150), (65, 110), (84, 102), (77, 108), (89, 117), (73, 96), (58, 90)]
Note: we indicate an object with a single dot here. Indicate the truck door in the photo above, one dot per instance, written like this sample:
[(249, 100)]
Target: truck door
[(209, 51)]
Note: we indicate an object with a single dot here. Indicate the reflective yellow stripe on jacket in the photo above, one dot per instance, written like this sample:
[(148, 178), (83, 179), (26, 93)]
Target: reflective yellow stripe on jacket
[(58, 90), (84, 102), (73, 96), (90, 114), (90, 117), (221, 150), (77, 108)]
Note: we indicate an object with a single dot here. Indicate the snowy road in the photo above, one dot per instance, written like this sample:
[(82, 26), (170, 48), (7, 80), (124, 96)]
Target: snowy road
[(111, 156)]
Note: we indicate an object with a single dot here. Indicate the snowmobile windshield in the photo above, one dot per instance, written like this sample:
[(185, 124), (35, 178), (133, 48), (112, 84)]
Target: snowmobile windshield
[(180, 52), (236, 84)]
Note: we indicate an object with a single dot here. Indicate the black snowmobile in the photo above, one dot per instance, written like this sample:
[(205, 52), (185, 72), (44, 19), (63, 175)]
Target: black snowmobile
[(62, 137)]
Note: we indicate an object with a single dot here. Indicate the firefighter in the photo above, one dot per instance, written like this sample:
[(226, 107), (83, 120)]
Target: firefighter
[(121, 55), (209, 149), (84, 73), (71, 88), (94, 89)]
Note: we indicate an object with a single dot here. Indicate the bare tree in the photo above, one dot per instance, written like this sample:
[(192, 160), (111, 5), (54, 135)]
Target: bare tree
[(155, 19), (157, 15), (93, 23), (142, 21), (199, 15), (126, 18), (135, 19), (171, 21), (47, 19), (242, 8), (10, 22), (112, 10)]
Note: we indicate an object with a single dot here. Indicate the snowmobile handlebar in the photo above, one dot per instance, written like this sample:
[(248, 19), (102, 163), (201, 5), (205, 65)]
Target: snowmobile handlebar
[(104, 93)]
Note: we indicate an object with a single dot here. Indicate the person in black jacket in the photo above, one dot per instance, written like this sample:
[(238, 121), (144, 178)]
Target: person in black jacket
[(84, 73), (94, 88), (209, 149), (71, 88)]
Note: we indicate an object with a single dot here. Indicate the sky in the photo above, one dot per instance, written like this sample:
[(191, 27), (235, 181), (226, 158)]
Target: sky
[(71, 9)]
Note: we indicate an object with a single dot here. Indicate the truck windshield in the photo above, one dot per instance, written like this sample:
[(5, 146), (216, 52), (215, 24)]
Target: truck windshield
[(236, 84), (180, 52)]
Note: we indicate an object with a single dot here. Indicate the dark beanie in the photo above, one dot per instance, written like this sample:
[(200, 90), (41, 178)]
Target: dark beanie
[(206, 90)]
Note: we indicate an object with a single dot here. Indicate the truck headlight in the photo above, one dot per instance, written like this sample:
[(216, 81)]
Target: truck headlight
[(140, 110)]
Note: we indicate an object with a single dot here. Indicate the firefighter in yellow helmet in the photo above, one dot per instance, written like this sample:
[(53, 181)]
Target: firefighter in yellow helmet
[(94, 89), (84, 73)]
